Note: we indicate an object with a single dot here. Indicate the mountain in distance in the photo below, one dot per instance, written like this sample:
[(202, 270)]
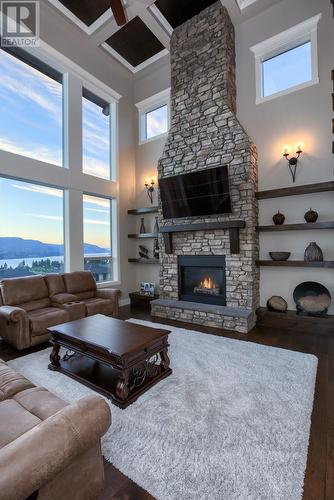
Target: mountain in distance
[(19, 248)]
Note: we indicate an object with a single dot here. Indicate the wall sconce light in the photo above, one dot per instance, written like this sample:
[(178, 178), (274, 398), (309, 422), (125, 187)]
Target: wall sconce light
[(293, 162), (150, 189)]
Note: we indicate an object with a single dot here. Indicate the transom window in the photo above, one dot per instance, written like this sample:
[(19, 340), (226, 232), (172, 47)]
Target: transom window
[(154, 117), (287, 70), (156, 122), (287, 62)]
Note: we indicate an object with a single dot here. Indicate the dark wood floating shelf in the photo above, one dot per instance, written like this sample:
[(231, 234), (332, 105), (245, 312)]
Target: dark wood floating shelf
[(141, 211), (297, 227), (296, 190), (233, 226), (139, 236), (295, 263), (144, 261)]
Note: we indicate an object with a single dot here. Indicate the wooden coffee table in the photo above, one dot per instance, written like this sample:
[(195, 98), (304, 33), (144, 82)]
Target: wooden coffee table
[(120, 360)]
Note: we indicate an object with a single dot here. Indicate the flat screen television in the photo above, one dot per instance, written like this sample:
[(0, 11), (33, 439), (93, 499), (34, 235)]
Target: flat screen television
[(205, 192)]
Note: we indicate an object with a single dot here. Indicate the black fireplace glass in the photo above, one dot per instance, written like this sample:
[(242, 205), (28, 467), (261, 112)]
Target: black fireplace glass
[(202, 279)]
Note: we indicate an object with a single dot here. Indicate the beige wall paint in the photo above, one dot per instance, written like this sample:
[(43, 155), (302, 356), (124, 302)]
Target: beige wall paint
[(303, 116)]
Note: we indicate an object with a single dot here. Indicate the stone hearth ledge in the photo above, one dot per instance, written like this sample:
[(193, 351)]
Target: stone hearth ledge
[(229, 318)]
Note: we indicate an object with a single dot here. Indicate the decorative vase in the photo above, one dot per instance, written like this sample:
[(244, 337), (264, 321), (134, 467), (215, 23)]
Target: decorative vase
[(311, 216), (142, 227), (278, 218), (156, 226), (313, 253)]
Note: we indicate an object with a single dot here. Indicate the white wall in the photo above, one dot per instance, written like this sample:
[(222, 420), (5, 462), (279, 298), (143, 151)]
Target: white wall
[(304, 116)]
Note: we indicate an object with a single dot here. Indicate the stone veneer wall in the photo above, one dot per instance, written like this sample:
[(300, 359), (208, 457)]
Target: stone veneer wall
[(205, 133)]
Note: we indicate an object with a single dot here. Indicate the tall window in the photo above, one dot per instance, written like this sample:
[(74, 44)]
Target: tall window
[(31, 103), (97, 237), (96, 136), (31, 230)]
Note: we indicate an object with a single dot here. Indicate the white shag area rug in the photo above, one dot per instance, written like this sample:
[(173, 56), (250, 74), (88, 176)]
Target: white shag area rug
[(231, 422)]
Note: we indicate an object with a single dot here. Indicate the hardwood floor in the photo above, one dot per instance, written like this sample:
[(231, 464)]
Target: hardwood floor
[(319, 479)]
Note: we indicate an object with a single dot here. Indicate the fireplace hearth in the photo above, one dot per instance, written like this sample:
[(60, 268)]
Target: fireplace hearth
[(202, 279)]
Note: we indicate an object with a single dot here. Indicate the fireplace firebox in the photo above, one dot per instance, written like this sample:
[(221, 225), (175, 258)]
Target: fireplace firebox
[(202, 279)]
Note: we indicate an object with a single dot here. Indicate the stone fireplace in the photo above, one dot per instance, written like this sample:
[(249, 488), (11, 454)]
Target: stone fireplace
[(205, 133), (201, 278)]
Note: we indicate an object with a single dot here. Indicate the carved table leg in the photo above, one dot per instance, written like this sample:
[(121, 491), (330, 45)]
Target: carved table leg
[(54, 357), (122, 387), (165, 361)]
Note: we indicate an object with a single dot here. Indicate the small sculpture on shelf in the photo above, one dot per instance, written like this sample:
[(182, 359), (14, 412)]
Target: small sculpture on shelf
[(311, 216), (313, 253), (156, 249), (277, 303), (142, 226), (279, 256), (143, 252), (279, 218)]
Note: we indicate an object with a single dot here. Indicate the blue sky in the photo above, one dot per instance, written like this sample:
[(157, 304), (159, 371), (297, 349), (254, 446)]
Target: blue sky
[(156, 122), (31, 125), (287, 70)]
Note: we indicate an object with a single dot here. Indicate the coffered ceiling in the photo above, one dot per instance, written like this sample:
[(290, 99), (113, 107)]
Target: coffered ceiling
[(146, 36)]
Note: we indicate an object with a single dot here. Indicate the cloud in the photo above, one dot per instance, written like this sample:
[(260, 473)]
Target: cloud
[(33, 188), (40, 153), (42, 216), (99, 222), (97, 210), (93, 200), (97, 168)]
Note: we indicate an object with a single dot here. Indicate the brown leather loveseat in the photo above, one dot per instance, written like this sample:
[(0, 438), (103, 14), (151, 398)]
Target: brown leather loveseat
[(28, 306), (46, 445)]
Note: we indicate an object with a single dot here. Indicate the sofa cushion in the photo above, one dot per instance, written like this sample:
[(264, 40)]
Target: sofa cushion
[(11, 382), (40, 402), (64, 298), (41, 319), (80, 281), (21, 290), (14, 421), (99, 306), (35, 304), (55, 284)]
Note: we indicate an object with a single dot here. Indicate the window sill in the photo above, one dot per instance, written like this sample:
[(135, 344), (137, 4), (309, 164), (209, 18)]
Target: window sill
[(107, 284), (151, 139), (260, 100)]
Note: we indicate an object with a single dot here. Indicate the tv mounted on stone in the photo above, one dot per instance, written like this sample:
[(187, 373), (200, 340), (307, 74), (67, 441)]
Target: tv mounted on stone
[(205, 192)]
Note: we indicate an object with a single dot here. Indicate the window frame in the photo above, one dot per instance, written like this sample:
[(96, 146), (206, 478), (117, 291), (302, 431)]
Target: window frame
[(146, 106), (303, 32), (70, 177)]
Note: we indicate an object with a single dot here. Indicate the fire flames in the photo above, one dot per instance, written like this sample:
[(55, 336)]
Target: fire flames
[(208, 283)]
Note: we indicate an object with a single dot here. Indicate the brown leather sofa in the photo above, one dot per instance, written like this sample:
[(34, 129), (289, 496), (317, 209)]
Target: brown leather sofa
[(46, 445), (28, 306)]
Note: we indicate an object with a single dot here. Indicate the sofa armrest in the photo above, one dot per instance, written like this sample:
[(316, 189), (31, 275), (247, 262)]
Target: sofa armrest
[(14, 326), (37, 456), (110, 293), (12, 314)]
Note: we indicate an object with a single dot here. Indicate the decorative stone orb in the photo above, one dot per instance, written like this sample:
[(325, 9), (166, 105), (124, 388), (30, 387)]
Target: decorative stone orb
[(277, 303)]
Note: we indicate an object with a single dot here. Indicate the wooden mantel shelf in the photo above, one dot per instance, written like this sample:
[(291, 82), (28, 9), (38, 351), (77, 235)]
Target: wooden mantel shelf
[(233, 226)]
